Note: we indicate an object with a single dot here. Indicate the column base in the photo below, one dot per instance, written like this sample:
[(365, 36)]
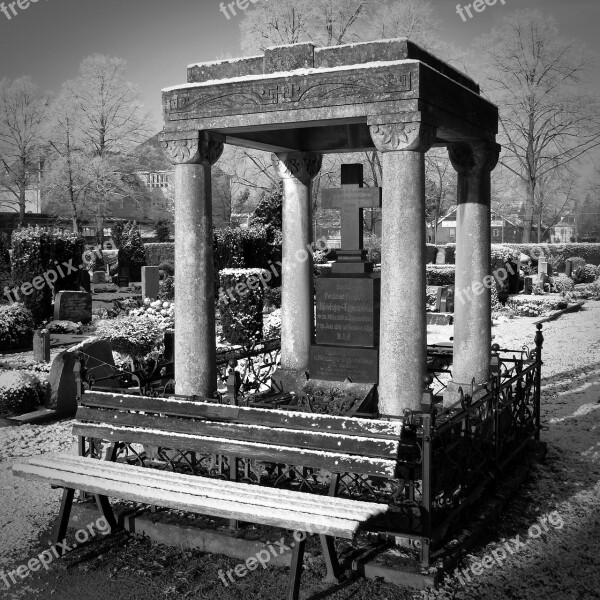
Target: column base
[(451, 394)]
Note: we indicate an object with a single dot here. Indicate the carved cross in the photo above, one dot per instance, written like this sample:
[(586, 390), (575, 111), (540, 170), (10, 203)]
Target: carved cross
[(351, 199)]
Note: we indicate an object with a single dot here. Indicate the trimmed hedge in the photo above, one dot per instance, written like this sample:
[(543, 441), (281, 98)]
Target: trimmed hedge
[(557, 254), (440, 274), (241, 305), (562, 283), (16, 327), (37, 252), (20, 392), (156, 254), (135, 336), (585, 274)]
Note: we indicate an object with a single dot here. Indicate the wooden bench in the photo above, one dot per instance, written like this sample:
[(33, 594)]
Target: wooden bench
[(335, 444)]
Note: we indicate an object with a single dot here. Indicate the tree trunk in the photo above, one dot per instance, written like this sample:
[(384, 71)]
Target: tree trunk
[(22, 204)]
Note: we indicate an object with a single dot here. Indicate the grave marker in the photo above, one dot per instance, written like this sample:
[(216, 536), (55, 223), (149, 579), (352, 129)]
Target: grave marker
[(150, 282), (73, 306)]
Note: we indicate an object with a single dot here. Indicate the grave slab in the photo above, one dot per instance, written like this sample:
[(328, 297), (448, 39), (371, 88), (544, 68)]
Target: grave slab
[(73, 306)]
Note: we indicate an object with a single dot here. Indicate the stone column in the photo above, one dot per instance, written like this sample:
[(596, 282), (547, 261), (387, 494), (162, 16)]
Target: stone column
[(193, 154), (474, 162), (297, 169), (403, 337)]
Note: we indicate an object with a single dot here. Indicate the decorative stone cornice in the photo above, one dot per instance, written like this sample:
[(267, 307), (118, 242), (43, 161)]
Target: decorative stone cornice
[(192, 148), (469, 158), (303, 166), (416, 136)]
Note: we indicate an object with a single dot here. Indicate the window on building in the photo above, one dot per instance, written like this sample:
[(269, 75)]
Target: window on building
[(452, 232), (496, 233)]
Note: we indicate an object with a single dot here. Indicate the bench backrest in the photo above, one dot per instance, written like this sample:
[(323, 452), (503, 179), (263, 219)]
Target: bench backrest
[(338, 444)]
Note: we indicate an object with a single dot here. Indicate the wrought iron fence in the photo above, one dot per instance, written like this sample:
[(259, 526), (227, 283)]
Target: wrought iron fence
[(448, 454)]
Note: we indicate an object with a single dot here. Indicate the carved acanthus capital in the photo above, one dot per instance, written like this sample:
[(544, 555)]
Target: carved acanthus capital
[(303, 166), (468, 158), (195, 148), (416, 136)]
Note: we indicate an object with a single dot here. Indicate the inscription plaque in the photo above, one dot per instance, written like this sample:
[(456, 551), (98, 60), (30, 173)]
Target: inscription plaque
[(333, 363), (348, 311)]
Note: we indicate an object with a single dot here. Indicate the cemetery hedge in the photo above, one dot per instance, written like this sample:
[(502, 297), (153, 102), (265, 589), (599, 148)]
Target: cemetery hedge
[(36, 252), (440, 274), (20, 392), (557, 254), (241, 309), (16, 327), (158, 253)]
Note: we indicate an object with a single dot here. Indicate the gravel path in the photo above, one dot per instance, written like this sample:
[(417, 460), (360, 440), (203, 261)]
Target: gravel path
[(563, 563)]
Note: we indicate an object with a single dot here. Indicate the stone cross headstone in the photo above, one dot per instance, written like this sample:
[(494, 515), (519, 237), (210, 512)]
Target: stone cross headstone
[(351, 199), (347, 300), (150, 282)]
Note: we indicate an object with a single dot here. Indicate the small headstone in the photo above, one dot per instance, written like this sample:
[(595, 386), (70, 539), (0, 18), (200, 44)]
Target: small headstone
[(62, 395), (41, 345), (542, 271), (568, 267), (99, 277), (150, 282), (73, 306), (440, 258), (528, 289), (85, 280), (442, 298), (122, 281)]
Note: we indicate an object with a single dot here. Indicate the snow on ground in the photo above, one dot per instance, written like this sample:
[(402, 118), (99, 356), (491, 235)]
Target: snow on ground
[(563, 563)]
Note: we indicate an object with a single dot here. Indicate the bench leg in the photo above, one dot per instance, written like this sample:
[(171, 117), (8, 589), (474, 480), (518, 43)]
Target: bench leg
[(293, 587), (62, 522), (107, 512), (331, 560)]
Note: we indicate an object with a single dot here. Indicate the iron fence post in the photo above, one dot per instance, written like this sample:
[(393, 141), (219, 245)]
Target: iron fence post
[(495, 372), (539, 342), (427, 410)]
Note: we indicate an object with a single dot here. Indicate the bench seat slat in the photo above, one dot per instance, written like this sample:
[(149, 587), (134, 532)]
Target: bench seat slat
[(94, 482), (335, 442), (214, 488), (336, 462), (374, 428)]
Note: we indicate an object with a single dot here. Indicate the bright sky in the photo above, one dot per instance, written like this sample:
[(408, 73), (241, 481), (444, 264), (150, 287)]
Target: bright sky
[(159, 38)]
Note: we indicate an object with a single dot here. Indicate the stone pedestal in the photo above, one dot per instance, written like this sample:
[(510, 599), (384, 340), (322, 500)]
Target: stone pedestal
[(297, 291), (474, 163), (193, 154)]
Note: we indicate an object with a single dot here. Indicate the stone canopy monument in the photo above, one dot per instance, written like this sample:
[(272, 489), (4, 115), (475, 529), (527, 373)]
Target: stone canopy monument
[(300, 102)]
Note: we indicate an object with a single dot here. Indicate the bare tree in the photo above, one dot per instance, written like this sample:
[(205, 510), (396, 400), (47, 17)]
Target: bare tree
[(548, 120), (107, 111), (22, 111)]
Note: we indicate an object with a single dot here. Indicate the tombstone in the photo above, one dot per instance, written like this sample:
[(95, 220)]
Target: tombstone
[(528, 288), (85, 280), (347, 300), (73, 306), (41, 345), (169, 341), (542, 271), (450, 298), (440, 257), (568, 267), (122, 281), (99, 277), (150, 282), (62, 392), (441, 300)]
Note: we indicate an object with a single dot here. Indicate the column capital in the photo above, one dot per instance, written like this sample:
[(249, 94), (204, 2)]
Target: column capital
[(408, 132), (297, 165), (192, 147), (469, 158)]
